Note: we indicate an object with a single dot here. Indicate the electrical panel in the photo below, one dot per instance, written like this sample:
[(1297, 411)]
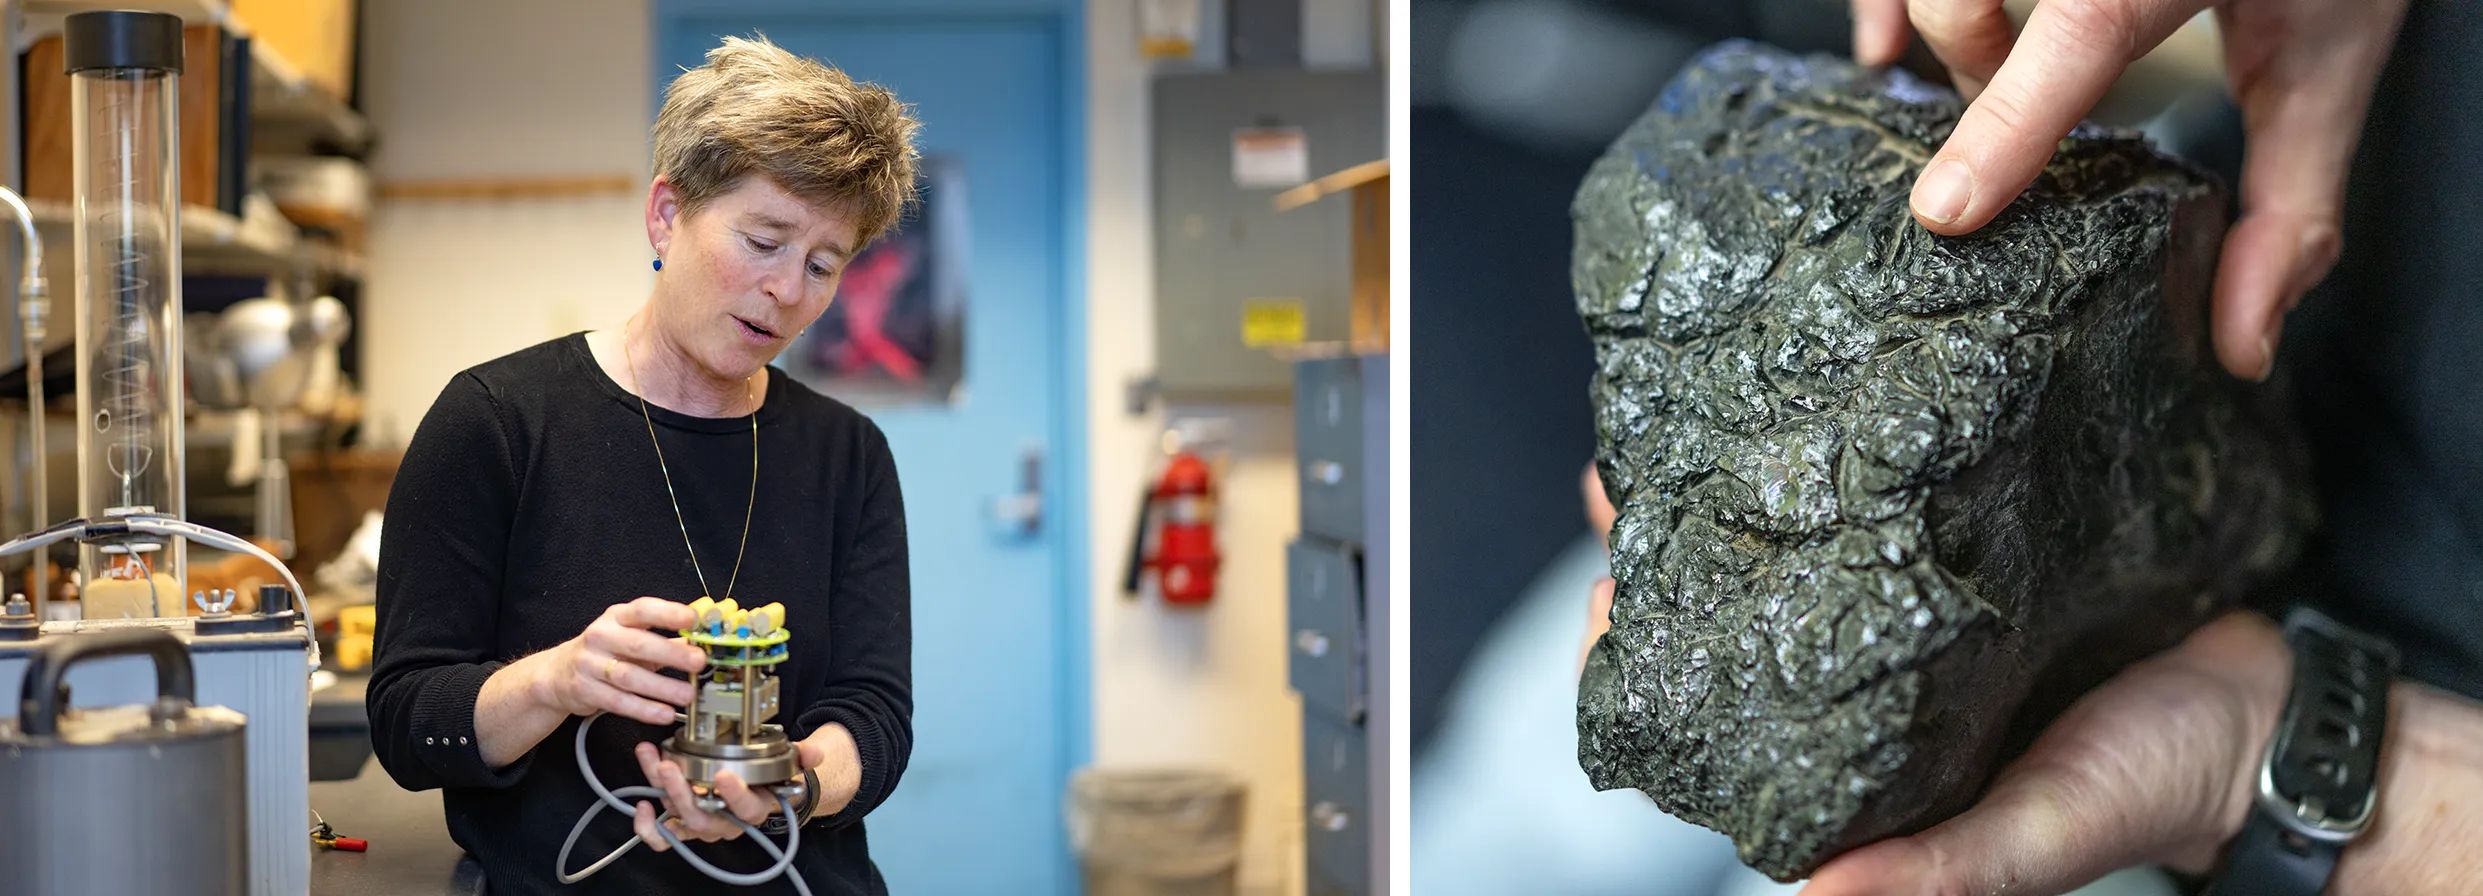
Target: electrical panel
[(1237, 281)]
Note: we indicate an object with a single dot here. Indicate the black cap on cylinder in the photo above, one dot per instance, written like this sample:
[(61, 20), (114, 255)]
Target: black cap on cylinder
[(122, 38), (274, 599)]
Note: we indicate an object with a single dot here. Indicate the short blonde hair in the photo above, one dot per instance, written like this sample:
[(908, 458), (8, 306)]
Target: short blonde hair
[(755, 108)]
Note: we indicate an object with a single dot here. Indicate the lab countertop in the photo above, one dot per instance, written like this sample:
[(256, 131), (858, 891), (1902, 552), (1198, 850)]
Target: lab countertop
[(410, 852)]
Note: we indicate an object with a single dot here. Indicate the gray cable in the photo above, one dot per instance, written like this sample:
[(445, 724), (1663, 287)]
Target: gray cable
[(160, 525), (615, 800)]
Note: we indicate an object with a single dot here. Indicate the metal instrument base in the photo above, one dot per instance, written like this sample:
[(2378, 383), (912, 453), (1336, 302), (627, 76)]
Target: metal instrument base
[(769, 759)]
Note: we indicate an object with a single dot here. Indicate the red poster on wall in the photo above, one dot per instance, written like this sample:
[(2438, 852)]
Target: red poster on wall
[(896, 332)]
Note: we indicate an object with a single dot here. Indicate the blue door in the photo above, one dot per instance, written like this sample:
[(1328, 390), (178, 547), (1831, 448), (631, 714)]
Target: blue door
[(999, 614)]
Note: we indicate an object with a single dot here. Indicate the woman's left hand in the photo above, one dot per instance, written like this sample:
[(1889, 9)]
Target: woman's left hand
[(830, 751), (688, 821)]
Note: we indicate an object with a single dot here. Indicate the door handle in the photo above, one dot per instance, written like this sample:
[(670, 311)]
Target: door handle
[(1021, 514), (1330, 817)]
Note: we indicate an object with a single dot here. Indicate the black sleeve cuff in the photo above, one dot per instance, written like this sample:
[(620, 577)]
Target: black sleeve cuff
[(871, 750), (443, 731)]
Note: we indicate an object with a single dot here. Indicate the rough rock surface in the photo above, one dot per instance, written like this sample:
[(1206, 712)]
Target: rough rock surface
[(1889, 500)]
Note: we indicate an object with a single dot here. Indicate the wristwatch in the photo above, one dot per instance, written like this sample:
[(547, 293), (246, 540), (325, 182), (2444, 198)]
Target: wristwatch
[(2318, 780), (808, 808)]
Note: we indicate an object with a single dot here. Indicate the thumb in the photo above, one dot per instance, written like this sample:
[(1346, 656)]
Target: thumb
[(2049, 830), (2027, 842), (2143, 770), (812, 755)]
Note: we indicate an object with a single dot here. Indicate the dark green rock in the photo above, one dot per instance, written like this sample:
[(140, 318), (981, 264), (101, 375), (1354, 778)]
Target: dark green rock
[(1889, 500)]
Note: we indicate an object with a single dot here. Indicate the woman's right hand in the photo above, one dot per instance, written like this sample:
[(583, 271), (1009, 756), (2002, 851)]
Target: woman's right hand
[(2301, 71), (611, 667)]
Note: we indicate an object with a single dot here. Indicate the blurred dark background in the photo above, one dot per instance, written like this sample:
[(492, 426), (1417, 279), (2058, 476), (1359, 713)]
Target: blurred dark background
[(1512, 99)]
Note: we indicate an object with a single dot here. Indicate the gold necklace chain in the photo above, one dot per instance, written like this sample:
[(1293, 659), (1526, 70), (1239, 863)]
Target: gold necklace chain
[(675, 497)]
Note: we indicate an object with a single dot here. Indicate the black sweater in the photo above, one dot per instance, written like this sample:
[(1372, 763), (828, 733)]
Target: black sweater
[(530, 500)]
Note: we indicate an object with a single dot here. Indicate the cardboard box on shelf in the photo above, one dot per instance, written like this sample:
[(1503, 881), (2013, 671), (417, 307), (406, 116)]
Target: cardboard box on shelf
[(214, 119), (1370, 292), (1368, 182), (316, 37), (331, 493)]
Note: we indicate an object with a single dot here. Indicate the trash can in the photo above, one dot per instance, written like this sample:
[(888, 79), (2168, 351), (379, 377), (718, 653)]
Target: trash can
[(1157, 831)]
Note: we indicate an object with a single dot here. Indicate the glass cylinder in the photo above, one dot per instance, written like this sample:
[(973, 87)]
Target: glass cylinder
[(123, 103)]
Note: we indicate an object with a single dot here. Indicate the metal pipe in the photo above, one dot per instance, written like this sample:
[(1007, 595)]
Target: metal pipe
[(749, 697), (33, 306), (39, 466), (12, 177), (12, 118)]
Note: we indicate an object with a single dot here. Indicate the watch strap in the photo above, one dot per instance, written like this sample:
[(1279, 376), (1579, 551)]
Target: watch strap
[(805, 808), (2318, 778), (2268, 860)]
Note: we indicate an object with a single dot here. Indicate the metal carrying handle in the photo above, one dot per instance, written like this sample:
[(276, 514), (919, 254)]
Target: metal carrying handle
[(41, 697)]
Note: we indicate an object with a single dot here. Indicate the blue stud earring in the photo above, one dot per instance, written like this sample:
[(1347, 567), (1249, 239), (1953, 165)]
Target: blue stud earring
[(659, 263)]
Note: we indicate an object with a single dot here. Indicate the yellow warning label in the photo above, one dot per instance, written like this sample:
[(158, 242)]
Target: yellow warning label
[(1274, 322)]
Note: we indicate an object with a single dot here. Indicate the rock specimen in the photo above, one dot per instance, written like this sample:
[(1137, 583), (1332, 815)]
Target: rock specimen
[(1890, 500)]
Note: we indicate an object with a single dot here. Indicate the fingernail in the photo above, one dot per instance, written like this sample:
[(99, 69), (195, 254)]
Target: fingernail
[(2267, 356), (1942, 193)]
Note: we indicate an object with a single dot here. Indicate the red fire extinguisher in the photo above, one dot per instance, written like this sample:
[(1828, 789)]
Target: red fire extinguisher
[(1182, 504)]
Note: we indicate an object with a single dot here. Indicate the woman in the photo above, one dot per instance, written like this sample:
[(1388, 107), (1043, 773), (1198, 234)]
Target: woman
[(549, 491)]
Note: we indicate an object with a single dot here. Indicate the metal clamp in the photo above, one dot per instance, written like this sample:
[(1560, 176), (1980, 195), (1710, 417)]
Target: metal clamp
[(2335, 714)]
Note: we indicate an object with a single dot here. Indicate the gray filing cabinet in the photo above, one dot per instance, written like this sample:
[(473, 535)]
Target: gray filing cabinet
[(1337, 619)]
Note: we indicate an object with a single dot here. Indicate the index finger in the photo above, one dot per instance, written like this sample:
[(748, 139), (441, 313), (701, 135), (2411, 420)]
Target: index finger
[(647, 648), (656, 612), (2070, 53)]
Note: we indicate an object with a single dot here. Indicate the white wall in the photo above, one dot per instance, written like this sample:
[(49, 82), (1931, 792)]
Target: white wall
[(462, 89)]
